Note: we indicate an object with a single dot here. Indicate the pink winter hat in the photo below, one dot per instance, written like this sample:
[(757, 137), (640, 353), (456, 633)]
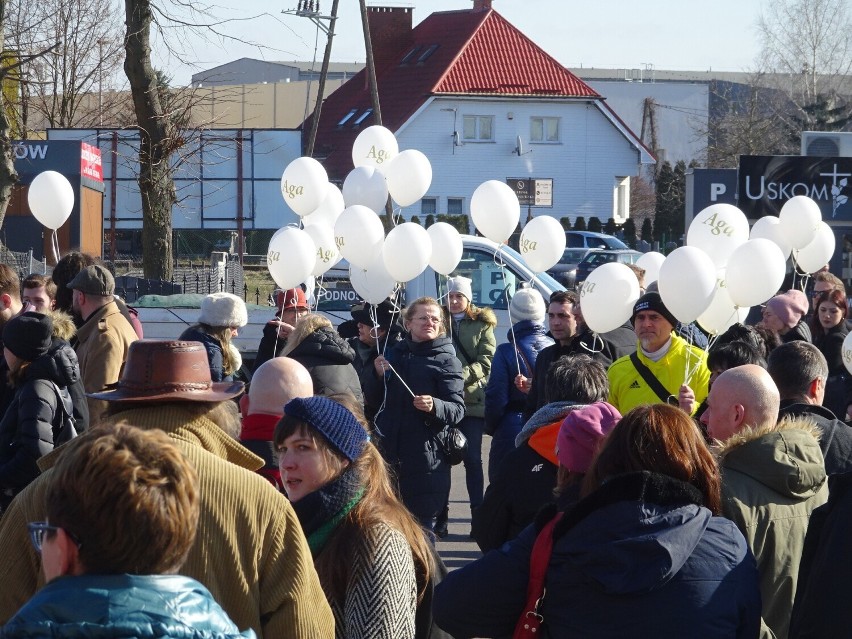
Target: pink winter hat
[(790, 307), (581, 433)]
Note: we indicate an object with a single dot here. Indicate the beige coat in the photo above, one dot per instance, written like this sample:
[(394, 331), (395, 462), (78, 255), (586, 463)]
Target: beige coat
[(102, 345), (250, 551)]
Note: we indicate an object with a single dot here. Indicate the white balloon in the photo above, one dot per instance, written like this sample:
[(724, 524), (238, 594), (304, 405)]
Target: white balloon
[(722, 312), (687, 282), (375, 146), (818, 252), (495, 210), (51, 198), (651, 262), (406, 251), (359, 234), (755, 272), (607, 296), (365, 186), (329, 209), (303, 185), (769, 228), (327, 254), (846, 352), (718, 230), (800, 216), (373, 284), (447, 247), (290, 258), (542, 243), (409, 176)]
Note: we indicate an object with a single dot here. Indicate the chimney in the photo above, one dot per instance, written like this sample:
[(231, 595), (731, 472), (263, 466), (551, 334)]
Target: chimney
[(390, 33), (481, 5)]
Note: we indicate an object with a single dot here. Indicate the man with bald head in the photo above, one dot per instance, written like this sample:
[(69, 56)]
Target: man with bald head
[(773, 476), (273, 384)]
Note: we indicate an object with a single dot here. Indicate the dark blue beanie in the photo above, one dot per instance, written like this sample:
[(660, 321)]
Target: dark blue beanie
[(339, 426)]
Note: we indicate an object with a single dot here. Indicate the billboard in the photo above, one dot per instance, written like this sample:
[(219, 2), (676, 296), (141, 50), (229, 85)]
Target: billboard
[(766, 182)]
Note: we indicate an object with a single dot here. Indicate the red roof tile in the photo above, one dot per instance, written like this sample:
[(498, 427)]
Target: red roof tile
[(478, 52)]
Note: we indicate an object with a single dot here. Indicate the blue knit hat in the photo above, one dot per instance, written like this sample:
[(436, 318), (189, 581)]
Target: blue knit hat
[(333, 421)]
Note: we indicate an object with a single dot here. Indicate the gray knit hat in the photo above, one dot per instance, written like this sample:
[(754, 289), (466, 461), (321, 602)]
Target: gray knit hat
[(527, 304), (460, 284), (336, 424), (223, 309)]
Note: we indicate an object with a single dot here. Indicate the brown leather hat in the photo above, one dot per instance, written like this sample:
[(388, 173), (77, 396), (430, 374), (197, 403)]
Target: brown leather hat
[(168, 370)]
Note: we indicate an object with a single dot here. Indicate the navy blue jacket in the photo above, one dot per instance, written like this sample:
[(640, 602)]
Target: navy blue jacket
[(107, 606), (407, 436), (637, 558), (504, 403), (214, 352)]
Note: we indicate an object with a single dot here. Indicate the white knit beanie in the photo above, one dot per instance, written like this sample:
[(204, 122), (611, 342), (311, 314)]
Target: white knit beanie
[(223, 309), (527, 304), (460, 284)]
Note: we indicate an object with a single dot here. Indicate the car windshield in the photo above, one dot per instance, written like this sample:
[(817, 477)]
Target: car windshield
[(573, 255)]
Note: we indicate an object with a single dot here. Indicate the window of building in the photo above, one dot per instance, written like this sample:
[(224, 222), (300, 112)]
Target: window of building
[(429, 206), (455, 205), (544, 129), (347, 117), (410, 55), (427, 53), (478, 128), (363, 117)]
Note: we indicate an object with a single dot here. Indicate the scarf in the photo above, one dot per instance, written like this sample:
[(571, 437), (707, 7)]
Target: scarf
[(322, 511)]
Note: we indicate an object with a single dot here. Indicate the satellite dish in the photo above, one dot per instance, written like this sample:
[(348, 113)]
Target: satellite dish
[(519, 149), (456, 139)]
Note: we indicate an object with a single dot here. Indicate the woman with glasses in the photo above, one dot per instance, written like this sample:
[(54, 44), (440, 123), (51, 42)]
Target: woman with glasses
[(122, 515), (829, 330), (418, 386)]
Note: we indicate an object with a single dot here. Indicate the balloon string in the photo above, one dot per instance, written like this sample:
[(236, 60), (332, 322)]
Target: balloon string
[(55, 245), (501, 264)]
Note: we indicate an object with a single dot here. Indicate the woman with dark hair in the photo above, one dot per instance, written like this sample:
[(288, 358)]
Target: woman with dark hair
[(642, 554), (368, 550), (829, 330)]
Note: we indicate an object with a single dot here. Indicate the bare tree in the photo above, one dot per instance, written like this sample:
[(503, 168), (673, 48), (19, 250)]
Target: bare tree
[(808, 44), (69, 87)]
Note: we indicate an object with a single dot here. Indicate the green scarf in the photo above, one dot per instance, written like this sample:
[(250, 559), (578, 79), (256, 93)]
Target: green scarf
[(318, 539)]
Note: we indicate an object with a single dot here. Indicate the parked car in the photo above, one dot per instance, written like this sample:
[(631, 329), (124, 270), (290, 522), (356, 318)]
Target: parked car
[(167, 316), (590, 240), (566, 271), (594, 259)]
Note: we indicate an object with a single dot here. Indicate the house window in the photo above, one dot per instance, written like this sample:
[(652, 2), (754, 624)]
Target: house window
[(408, 56), (455, 205), (363, 117), (427, 54), (429, 206), (544, 129), (478, 128), (347, 117)]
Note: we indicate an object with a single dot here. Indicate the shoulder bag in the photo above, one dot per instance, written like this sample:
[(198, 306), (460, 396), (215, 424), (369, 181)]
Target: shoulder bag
[(665, 396), (531, 621)]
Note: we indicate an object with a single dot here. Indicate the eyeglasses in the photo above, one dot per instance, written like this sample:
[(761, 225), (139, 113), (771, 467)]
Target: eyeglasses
[(38, 531), (431, 319)]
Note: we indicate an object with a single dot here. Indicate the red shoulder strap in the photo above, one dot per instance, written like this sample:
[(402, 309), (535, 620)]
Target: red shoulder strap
[(539, 560)]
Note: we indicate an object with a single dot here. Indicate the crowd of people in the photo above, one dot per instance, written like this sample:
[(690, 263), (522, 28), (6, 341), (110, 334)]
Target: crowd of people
[(647, 481)]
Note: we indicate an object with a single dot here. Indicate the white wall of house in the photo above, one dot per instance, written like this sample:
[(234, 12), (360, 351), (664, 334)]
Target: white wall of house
[(587, 163), (681, 114)]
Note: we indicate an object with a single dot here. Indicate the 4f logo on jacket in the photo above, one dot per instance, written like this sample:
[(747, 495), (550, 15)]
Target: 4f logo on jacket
[(537, 468)]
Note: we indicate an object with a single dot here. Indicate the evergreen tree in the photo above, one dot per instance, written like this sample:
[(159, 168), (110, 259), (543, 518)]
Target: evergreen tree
[(580, 223), (610, 228), (415, 219), (595, 224), (430, 220), (647, 230), (671, 202), (629, 232), (565, 222)]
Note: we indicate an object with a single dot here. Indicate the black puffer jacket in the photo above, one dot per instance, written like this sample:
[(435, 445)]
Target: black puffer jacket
[(62, 364), (327, 357), (407, 436), (365, 357), (32, 421)]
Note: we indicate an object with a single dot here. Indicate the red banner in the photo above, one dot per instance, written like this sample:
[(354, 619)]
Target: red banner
[(90, 162)]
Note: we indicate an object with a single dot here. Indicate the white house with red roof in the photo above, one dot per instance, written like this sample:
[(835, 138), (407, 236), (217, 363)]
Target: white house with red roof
[(484, 102)]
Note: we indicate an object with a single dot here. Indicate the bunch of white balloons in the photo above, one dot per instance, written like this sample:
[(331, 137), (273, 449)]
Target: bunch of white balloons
[(346, 224), (722, 271)]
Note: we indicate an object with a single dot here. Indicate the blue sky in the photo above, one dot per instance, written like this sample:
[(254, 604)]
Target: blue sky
[(668, 34)]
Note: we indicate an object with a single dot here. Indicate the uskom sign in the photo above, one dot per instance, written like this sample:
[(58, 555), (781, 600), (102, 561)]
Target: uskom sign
[(765, 183)]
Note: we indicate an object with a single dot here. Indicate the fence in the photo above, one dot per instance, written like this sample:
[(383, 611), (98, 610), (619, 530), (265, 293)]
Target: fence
[(23, 262)]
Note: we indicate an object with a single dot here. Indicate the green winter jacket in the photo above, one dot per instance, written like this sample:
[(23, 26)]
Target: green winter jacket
[(476, 336), (772, 479)]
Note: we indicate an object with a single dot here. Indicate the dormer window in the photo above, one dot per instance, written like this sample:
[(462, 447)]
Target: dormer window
[(427, 53), (366, 114), (410, 55)]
